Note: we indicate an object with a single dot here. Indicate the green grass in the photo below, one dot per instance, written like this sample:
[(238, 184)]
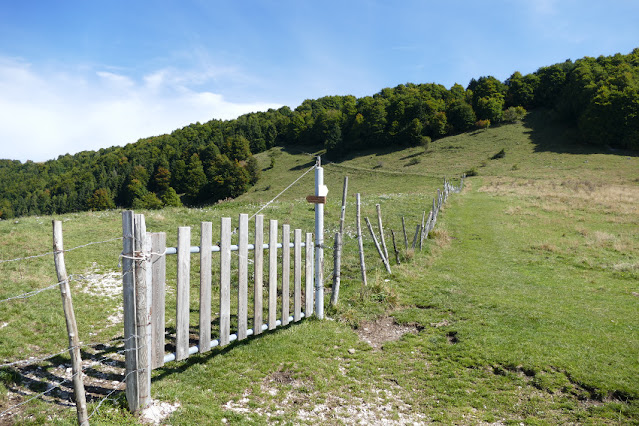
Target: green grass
[(525, 296)]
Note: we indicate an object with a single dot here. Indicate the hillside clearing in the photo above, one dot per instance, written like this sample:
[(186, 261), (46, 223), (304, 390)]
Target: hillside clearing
[(521, 308)]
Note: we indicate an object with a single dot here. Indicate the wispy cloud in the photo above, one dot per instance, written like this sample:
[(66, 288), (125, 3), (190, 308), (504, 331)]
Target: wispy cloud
[(45, 113)]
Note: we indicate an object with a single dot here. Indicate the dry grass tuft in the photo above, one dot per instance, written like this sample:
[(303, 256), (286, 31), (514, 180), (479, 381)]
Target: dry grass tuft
[(569, 195)]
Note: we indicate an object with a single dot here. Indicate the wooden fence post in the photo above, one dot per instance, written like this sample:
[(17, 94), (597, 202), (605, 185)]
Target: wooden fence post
[(258, 273), (128, 296), (360, 240), (72, 326), (377, 246), (395, 248), (143, 295), (405, 236), (158, 314), (183, 297), (206, 243), (421, 235), (381, 230), (416, 236), (343, 211), (337, 268)]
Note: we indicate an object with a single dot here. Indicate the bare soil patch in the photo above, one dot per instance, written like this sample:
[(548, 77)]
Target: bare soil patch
[(383, 330)]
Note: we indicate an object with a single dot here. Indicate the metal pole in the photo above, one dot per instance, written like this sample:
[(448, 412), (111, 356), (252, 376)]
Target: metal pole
[(319, 243)]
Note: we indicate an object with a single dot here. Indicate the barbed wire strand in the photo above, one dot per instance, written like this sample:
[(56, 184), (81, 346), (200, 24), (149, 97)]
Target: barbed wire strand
[(53, 252), (283, 191)]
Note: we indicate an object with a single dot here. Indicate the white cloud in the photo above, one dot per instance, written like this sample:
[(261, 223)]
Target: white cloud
[(46, 113)]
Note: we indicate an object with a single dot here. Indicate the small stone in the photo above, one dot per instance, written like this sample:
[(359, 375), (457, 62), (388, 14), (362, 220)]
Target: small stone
[(351, 351), (224, 421)]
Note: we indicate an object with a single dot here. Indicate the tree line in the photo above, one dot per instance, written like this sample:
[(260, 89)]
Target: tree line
[(203, 163)]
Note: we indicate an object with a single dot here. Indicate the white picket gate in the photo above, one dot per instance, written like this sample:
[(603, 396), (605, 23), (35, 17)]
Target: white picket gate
[(144, 290)]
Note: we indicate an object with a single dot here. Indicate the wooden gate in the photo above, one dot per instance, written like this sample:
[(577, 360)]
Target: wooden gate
[(144, 289)]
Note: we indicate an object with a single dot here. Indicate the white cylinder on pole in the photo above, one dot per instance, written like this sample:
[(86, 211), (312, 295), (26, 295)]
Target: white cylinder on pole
[(320, 190)]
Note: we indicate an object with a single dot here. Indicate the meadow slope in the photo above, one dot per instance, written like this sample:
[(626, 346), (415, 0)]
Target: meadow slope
[(522, 306)]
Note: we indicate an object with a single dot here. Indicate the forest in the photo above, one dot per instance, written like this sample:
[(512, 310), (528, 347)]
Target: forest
[(203, 163)]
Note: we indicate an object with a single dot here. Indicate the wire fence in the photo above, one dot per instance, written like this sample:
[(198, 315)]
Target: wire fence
[(23, 367)]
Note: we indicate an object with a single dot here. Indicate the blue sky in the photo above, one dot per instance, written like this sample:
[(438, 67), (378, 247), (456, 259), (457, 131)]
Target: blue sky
[(81, 75)]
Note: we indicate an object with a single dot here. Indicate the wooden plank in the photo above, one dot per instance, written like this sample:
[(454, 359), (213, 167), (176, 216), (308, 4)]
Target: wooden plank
[(142, 310), (308, 280), (183, 297), (258, 285), (242, 288), (378, 247), (158, 307), (206, 243), (360, 240), (272, 274), (225, 281), (381, 230), (297, 275), (316, 199), (128, 296), (286, 272), (337, 268), (72, 325)]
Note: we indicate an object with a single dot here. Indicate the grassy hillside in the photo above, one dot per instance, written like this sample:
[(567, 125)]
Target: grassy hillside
[(522, 307)]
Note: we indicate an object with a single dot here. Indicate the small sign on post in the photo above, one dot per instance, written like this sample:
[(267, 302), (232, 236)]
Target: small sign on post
[(315, 199)]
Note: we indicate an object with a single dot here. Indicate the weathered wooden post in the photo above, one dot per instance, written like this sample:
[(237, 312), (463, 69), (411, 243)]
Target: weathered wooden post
[(72, 326), (377, 246), (405, 235), (343, 211), (381, 229), (143, 295), (128, 295), (337, 267), (395, 248), (360, 240)]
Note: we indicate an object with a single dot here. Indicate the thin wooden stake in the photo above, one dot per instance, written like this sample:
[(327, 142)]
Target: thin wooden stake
[(158, 309), (395, 248), (242, 273), (128, 296), (343, 211), (206, 242), (405, 236), (377, 246), (421, 234), (183, 289), (72, 326), (258, 286), (381, 230), (360, 240), (416, 235), (337, 268)]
